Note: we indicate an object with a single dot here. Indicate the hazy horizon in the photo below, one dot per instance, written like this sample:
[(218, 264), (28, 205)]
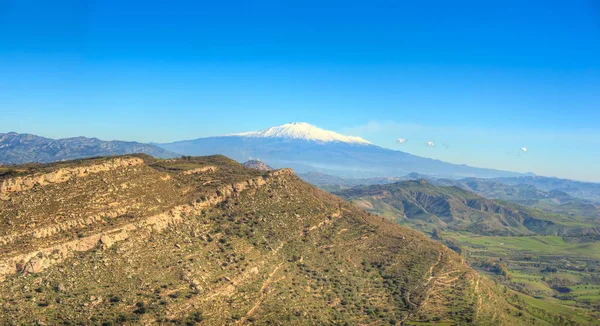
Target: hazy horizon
[(552, 176)]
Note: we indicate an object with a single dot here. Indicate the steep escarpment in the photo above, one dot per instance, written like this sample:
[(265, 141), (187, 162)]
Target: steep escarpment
[(110, 196), (152, 242)]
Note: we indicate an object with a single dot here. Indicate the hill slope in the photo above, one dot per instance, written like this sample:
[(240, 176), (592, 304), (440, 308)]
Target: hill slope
[(133, 240), (25, 148), (553, 199), (428, 206), (553, 257)]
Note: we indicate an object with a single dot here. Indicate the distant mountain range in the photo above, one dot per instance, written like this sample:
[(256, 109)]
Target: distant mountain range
[(549, 194), (314, 153), (26, 148), (427, 206), (333, 183), (306, 148), (580, 189), (558, 195)]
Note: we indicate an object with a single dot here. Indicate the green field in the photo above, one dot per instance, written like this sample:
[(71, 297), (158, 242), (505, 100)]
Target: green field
[(556, 306), (515, 245), (539, 245), (554, 273)]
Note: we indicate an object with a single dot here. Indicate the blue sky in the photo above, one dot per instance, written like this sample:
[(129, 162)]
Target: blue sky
[(479, 78)]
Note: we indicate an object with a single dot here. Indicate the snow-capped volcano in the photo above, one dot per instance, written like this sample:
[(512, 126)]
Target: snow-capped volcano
[(305, 148), (305, 131)]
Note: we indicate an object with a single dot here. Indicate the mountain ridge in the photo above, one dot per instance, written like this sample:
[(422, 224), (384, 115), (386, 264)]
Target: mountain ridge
[(429, 206), (300, 146), (331, 157), (18, 148), (579, 199), (181, 241)]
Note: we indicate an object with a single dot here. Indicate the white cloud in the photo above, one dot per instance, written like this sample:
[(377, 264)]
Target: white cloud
[(524, 149), (430, 144), (401, 140)]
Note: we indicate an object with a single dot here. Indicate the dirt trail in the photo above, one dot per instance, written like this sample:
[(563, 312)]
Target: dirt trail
[(439, 259), (263, 294), (443, 280), (479, 298)]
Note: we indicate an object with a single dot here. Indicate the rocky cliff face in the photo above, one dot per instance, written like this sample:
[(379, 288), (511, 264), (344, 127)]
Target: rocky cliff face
[(132, 240), (100, 196), (60, 175), (258, 165)]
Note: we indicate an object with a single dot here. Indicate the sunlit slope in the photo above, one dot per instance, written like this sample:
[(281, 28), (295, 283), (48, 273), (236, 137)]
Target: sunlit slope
[(134, 240)]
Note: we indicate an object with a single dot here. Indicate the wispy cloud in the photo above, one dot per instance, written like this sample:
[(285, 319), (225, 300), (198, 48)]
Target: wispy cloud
[(524, 149), (401, 140)]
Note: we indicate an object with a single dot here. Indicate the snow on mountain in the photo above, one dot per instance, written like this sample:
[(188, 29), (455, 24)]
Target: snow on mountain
[(304, 147), (305, 131)]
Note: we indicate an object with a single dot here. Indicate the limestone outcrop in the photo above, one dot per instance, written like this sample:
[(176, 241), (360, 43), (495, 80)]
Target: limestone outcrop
[(64, 174), (37, 260)]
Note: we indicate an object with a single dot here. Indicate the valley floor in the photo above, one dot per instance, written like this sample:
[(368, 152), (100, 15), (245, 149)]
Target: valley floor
[(552, 272)]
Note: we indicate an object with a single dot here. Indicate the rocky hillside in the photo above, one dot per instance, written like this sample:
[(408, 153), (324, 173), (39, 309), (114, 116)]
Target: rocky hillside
[(25, 148), (132, 240), (258, 165), (426, 206)]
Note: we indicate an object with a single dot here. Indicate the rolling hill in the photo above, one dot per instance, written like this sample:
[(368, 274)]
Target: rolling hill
[(428, 206), (553, 257), (552, 199), (134, 240)]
